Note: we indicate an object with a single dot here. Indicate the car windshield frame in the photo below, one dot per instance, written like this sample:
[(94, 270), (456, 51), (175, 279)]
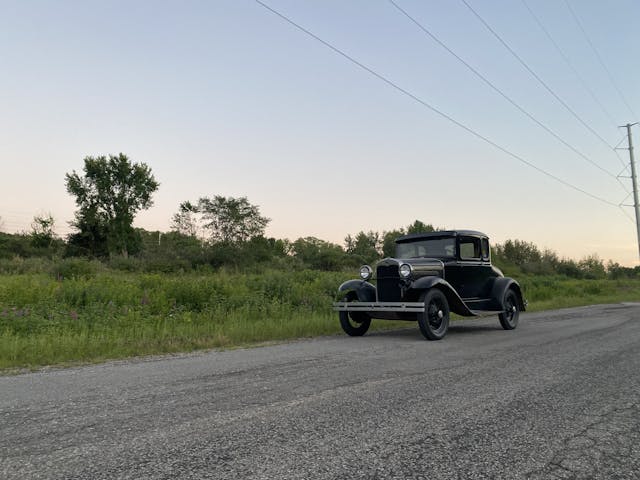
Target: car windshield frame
[(435, 247)]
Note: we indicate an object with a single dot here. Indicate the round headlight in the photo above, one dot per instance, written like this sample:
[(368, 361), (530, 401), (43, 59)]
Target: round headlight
[(405, 270), (365, 272)]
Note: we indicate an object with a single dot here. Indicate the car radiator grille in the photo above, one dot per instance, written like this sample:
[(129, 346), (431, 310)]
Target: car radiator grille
[(388, 283), (386, 271)]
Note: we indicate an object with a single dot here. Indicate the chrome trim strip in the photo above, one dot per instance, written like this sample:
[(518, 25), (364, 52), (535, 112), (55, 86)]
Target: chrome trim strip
[(378, 306)]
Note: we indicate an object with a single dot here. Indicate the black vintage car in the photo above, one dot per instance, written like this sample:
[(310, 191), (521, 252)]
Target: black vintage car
[(431, 275)]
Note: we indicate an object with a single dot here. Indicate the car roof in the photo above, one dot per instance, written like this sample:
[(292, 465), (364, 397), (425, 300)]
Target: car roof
[(444, 233)]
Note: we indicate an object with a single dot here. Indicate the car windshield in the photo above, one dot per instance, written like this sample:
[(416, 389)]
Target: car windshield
[(431, 247)]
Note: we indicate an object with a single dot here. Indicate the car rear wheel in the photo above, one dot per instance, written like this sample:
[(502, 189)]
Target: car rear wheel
[(434, 321), (354, 324), (511, 310)]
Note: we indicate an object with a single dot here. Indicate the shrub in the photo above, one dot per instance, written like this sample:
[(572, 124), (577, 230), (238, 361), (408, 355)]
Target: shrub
[(76, 268)]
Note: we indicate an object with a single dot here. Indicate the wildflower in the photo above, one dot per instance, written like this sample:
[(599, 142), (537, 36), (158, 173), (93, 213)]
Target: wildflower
[(73, 314)]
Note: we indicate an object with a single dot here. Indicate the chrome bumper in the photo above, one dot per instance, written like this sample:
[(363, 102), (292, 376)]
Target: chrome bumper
[(378, 306)]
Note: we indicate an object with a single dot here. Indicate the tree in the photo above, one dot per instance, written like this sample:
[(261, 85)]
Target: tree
[(592, 267), (365, 246), (420, 227), (389, 242), (318, 253), (227, 219), (109, 194), (389, 238), (520, 252), (42, 234), (186, 221)]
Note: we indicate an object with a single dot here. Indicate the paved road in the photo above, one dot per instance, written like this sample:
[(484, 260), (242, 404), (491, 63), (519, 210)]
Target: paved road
[(556, 398)]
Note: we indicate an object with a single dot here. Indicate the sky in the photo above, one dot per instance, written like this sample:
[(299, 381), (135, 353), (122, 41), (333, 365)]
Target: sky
[(227, 98)]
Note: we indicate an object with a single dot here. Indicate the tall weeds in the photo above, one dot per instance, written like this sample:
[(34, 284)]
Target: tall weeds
[(80, 311)]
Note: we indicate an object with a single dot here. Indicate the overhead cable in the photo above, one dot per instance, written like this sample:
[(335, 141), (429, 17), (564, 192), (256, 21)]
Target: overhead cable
[(534, 74), (429, 106), (570, 65), (501, 93), (604, 66)]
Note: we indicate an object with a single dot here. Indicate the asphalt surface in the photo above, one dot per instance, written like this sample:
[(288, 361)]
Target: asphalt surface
[(556, 398)]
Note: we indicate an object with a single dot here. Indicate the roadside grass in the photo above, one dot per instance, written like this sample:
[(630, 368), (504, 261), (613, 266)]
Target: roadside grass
[(92, 314), (555, 292)]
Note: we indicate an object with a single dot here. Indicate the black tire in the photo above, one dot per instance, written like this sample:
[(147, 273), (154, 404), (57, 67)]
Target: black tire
[(354, 324), (434, 321), (511, 306)]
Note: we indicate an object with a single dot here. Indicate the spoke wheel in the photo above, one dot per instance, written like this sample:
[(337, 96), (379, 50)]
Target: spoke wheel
[(511, 306), (434, 321), (354, 324)]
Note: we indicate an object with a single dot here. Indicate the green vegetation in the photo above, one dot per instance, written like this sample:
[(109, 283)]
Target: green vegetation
[(557, 291), (108, 195), (96, 313), (77, 310)]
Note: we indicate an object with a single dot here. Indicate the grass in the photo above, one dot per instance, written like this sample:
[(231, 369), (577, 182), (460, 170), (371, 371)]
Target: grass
[(95, 314), (553, 292)]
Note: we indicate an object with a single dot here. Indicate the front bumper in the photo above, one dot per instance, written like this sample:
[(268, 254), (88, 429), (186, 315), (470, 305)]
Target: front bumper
[(370, 307)]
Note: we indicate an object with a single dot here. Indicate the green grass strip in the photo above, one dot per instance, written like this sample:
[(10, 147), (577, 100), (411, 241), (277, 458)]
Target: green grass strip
[(111, 315)]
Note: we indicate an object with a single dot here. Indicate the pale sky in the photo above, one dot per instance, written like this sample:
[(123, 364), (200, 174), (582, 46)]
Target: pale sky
[(225, 98)]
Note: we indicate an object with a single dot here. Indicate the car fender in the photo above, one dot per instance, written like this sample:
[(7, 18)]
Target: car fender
[(456, 304), (364, 290), (499, 290)]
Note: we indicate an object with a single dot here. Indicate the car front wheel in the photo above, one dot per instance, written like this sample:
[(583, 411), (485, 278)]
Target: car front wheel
[(434, 321), (511, 311), (354, 324)]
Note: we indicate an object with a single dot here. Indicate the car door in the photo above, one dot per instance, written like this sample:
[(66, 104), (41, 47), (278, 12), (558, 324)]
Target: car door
[(471, 281)]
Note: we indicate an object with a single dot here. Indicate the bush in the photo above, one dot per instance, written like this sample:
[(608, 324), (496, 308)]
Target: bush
[(19, 265), (76, 268)]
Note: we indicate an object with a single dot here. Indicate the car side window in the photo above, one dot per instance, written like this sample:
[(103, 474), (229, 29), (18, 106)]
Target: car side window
[(485, 249), (469, 247)]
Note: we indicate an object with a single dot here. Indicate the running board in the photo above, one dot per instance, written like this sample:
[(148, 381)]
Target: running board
[(486, 313), (378, 306), (414, 307)]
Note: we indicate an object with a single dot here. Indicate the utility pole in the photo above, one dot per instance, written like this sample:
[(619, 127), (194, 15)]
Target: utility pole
[(634, 181)]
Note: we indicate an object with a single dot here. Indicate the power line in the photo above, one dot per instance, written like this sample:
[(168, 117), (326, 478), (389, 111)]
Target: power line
[(604, 66), (501, 93), (429, 106), (535, 75), (570, 65), (615, 150), (627, 215)]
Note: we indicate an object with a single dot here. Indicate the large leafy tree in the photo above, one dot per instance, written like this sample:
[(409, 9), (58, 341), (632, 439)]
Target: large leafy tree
[(108, 195), (231, 219), (226, 219)]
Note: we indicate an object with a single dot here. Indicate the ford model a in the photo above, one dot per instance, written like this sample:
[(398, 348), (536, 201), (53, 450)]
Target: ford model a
[(431, 275)]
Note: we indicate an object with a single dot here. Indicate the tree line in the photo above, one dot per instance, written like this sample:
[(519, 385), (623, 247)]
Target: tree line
[(223, 231)]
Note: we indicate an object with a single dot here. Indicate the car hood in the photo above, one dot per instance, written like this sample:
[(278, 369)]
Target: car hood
[(421, 266)]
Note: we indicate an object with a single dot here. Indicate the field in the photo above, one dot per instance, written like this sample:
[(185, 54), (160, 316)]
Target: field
[(84, 312)]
